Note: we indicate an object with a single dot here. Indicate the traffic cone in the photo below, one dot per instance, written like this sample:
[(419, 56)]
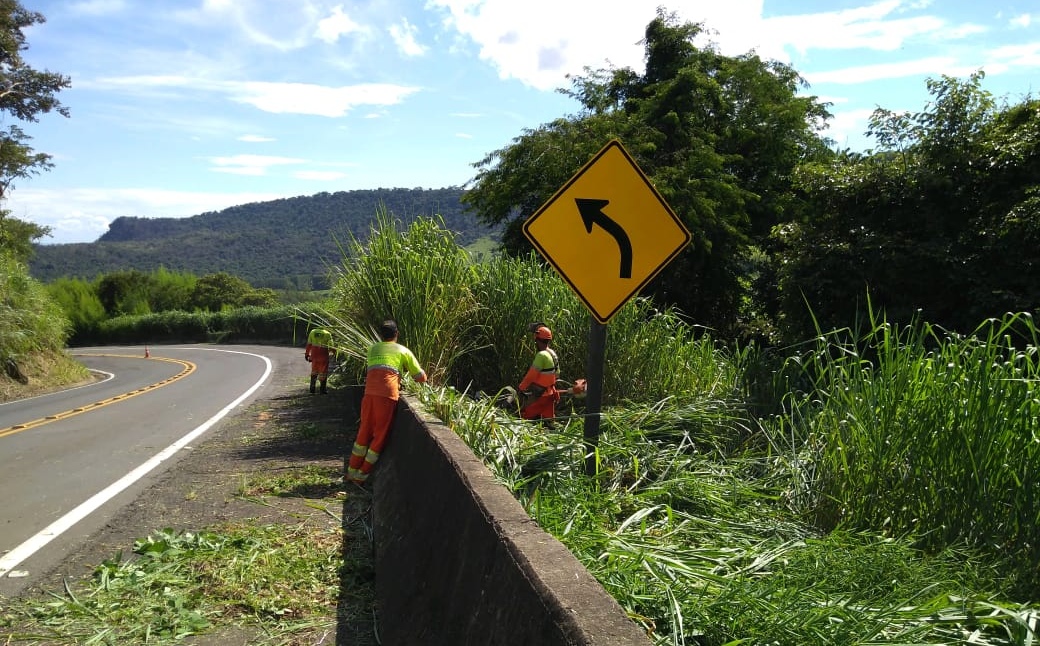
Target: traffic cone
[(146, 355)]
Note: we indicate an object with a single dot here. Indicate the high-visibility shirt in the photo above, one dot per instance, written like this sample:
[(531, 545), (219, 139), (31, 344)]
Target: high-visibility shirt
[(542, 371), (320, 336), (387, 362)]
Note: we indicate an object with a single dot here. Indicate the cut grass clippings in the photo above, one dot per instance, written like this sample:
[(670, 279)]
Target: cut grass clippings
[(283, 581)]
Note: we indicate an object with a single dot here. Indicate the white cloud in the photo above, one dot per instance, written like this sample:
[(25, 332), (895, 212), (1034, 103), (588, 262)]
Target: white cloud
[(933, 67), (403, 35), (537, 42), (305, 98), (1022, 20), (273, 97), (250, 164), (337, 24), (860, 28), (1014, 56)]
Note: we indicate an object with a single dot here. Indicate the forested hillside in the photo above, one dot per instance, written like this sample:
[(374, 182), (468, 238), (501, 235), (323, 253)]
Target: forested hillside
[(287, 243)]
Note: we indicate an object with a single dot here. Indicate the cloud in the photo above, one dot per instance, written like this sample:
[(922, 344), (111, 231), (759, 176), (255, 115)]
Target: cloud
[(1022, 20), (273, 97), (253, 165), (932, 67), (869, 27), (337, 24), (403, 35), (536, 42), (305, 98)]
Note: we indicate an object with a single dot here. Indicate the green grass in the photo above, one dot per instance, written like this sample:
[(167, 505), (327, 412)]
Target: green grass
[(875, 488), (282, 580)]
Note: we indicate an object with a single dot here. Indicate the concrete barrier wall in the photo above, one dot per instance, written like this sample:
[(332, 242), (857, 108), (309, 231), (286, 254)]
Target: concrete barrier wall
[(459, 561)]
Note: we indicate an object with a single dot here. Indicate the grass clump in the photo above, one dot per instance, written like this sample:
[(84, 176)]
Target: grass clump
[(182, 583)]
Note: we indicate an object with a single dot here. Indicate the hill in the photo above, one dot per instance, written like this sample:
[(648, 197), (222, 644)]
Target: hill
[(283, 244)]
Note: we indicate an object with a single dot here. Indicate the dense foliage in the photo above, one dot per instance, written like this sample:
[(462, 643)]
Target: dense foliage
[(943, 220), (29, 320), (283, 244), (844, 496), (719, 137), (125, 295)]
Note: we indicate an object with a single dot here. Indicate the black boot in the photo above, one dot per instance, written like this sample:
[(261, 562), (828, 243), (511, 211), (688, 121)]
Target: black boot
[(324, 391), (314, 380)]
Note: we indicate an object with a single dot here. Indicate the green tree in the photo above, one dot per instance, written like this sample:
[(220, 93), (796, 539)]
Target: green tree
[(171, 290), (718, 136), (80, 303), (28, 319), (125, 292), (214, 292), (942, 222), (25, 94)]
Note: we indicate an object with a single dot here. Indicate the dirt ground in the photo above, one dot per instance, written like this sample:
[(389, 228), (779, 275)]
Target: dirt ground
[(285, 428)]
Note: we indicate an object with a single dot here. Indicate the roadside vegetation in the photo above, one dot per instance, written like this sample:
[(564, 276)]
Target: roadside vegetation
[(842, 493)]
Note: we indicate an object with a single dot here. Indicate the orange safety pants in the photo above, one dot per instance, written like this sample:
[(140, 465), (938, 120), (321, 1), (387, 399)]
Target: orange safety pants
[(319, 362), (377, 417), (542, 408)]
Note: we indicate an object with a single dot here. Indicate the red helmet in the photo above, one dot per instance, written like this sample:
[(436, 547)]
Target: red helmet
[(543, 333)]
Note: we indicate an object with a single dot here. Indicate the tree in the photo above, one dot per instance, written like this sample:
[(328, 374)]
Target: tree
[(942, 222), (718, 136), (25, 93), (125, 292), (215, 291)]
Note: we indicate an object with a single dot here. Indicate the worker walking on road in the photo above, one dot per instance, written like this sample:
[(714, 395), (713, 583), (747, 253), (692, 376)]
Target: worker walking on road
[(539, 384), (388, 361), (318, 351)]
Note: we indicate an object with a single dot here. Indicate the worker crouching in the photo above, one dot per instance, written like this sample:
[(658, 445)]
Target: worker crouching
[(539, 384)]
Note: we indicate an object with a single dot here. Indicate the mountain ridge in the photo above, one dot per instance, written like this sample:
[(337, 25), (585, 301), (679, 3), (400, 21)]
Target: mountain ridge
[(288, 243)]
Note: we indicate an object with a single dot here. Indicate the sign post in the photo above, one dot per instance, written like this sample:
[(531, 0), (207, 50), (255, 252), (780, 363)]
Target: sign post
[(608, 233)]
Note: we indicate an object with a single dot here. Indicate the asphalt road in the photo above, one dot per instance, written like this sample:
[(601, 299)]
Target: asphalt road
[(70, 460)]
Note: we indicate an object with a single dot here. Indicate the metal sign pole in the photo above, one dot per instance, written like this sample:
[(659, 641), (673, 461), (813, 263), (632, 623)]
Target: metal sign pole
[(594, 391)]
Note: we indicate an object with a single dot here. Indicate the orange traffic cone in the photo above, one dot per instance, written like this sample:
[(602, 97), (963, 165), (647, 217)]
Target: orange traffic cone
[(146, 355)]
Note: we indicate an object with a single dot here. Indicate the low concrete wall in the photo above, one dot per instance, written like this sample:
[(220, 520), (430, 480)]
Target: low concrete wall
[(459, 561)]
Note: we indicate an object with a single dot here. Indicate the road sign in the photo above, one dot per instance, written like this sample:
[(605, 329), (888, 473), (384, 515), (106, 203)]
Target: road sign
[(607, 231)]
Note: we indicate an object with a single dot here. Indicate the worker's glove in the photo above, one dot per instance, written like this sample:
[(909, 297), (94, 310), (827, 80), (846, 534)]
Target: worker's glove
[(307, 357)]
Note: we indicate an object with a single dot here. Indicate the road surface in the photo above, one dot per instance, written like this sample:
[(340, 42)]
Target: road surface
[(69, 460)]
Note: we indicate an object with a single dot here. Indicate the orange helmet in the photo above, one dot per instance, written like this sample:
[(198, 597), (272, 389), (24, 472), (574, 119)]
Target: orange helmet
[(543, 333)]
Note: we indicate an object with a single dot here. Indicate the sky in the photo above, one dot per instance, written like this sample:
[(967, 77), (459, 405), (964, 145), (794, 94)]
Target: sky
[(181, 107)]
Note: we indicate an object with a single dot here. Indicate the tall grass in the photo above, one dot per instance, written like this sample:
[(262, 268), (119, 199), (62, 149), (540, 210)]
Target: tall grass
[(419, 277), (928, 433), (29, 320), (713, 525)]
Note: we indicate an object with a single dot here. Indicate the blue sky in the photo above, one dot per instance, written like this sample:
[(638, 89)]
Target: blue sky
[(185, 106)]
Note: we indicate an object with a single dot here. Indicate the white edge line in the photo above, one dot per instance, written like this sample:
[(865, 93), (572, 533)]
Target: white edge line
[(108, 376), (58, 527)]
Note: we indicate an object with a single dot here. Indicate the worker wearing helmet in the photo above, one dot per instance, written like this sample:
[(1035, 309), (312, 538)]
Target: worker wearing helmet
[(317, 353), (540, 380)]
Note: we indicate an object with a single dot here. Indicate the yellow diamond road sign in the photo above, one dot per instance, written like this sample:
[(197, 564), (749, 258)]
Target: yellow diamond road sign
[(607, 231)]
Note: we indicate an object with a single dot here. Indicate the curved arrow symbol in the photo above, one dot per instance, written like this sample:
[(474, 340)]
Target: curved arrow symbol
[(592, 213)]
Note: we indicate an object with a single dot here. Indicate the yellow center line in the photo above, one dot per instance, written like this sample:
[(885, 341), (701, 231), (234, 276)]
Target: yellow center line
[(189, 368)]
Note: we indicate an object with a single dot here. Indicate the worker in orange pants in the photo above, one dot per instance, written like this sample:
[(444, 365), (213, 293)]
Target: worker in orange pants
[(388, 362), (318, 352)]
